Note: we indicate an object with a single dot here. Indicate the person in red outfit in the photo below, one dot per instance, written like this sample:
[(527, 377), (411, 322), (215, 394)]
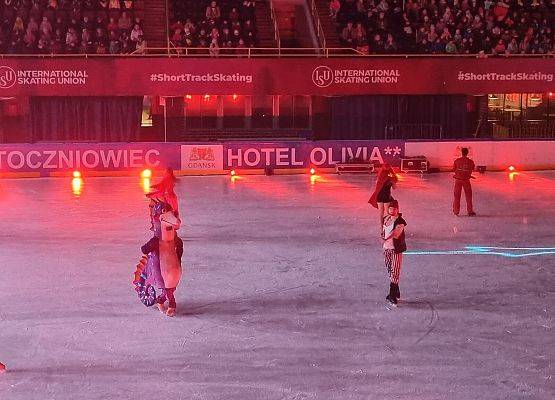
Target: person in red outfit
[(463, 167), (381, 197)]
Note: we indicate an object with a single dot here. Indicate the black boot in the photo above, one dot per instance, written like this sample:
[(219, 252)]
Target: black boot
[(391, 296), (397, 291)]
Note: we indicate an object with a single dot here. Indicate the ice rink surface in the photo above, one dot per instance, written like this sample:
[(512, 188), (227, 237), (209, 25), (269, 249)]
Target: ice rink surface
[(283, 295)]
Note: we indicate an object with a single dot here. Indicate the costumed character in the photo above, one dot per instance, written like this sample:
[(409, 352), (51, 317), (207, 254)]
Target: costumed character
[(380, 199), (164, 190), (159, 271)]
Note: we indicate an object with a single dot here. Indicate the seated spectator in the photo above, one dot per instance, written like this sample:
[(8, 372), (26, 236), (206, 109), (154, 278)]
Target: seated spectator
[(124, 22), (136, 34), (451, 47), (114, 5), (348, 34), (234, 15), (45, 28), (115, 46), (213, 12), (112, 24), (18, 27), (128, 4)]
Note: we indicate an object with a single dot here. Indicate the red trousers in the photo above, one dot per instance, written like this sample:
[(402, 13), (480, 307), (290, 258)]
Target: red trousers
[(459, 185)]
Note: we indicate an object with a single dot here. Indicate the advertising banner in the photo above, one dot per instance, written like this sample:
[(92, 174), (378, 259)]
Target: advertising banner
[(324, 154), (44, 158), (267, 76), (56, 157)]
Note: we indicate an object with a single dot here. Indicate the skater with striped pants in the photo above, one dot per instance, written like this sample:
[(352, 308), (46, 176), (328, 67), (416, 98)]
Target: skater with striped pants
[(393, 237)]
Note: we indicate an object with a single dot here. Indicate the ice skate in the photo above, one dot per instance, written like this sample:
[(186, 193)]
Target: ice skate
[(2, 368), (161, 307), (170, 312)]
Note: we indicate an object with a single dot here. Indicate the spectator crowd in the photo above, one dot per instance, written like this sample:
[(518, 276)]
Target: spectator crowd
[(69, 26), (446, 26), (213, 25)]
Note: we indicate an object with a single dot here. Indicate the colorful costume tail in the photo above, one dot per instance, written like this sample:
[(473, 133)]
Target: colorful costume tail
[(145, 291)]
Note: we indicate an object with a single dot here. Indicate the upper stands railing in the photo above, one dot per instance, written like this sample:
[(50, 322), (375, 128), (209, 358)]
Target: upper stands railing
[(272, 52), (276, 28), (318, 24)]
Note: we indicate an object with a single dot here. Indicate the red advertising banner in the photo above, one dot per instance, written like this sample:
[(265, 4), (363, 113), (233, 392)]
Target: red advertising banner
[(308, 76)]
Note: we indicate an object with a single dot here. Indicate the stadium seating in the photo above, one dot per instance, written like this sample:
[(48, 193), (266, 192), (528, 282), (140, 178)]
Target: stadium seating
[(446, 26), (69, 26), (213, 24)]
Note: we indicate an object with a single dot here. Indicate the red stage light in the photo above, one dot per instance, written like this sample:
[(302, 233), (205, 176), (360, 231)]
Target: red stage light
[(232, 172), (146, 174), (235, 97), (511, 168), (77, 186), (188, 97), (206, 97), (312, 171), (76, 174)]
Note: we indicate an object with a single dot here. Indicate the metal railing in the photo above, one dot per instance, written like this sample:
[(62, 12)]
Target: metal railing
[(276, 28), (413, 131), (319, 29), (531, 129), (252, 52)]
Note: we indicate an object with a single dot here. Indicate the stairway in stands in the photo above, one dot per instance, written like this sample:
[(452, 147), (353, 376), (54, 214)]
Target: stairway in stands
[(264, 25), (328, 24), (153, 14)]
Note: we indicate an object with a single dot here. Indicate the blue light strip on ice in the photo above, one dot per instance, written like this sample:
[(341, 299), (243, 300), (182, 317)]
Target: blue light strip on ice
[(511, 252)]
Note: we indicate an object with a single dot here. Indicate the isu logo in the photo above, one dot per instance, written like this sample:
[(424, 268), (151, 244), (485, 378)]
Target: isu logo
[(8, 77), (322, 76), (202, 154)]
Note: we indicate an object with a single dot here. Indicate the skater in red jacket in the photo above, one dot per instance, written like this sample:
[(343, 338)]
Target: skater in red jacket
[(463, 167)]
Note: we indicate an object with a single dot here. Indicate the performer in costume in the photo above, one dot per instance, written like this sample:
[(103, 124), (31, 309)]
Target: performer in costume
[(160, 265), (380, 199), (393, 236), (164, 190)]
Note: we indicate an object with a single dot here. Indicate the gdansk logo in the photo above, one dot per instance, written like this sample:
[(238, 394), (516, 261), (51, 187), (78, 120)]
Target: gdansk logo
[(202, 154), (8, 77)]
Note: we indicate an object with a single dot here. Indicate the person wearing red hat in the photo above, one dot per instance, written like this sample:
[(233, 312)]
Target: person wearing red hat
[(394, 245)]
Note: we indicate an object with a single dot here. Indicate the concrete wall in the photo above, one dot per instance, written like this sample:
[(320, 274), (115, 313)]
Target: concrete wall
[(495, 155)]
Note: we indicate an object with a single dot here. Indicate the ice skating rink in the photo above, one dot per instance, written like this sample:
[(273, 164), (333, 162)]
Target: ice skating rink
[(283, 295)]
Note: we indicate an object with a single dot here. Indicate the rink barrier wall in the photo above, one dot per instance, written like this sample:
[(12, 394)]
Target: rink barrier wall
[(495, 155), (248, 158)]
